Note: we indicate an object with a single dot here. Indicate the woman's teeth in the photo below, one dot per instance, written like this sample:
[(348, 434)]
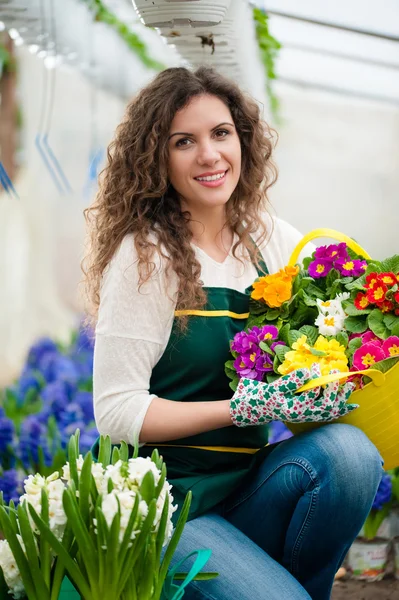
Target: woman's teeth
[(211, 177)]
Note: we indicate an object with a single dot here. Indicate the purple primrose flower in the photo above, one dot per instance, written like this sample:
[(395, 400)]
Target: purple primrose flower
[(320, 267), (349, 267)]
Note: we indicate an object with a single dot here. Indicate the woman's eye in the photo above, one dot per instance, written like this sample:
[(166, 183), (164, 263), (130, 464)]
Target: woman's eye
[(222, 133), (183, 142)]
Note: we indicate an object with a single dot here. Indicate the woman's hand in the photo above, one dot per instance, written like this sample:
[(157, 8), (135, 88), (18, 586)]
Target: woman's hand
[(255, 403)]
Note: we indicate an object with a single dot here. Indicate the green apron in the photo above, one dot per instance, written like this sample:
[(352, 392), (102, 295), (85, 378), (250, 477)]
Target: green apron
[(191, 369)]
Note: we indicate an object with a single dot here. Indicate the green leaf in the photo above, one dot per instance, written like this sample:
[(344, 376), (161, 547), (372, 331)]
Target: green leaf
[(85, 543), (332, 276), (376, 324), (304, 315), (390, 264), (256, 307), (229, 369), (317, 352), (19, 555), (352, 311), (162, 529), (171, 549), (234, 383), (41, 588), (306, 261), (124, 451), (355, 324), (73, 453), (271, 377), (374, 520), (283, 333), (272, 314), (266, 348), (104, 453), (386, 364), (44, 549), (312, 333), (84, 489), (293, 336), (353, 345), (343, 338), (281, 351), (124, 547), (147, 488), (308, 300), (395, 330), (140, 543), (115, 455), (313, 290), (63, 555), (357, 284), (391, 321)]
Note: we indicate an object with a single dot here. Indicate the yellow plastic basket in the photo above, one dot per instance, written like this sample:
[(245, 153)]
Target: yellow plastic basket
[(378, 412)]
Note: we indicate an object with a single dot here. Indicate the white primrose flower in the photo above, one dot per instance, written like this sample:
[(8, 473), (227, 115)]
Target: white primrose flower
[(330, 307), (343, 296), (10, 570), (330, 324)]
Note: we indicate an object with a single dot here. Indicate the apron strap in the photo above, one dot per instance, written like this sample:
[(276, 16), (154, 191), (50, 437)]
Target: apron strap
[(262, 269)]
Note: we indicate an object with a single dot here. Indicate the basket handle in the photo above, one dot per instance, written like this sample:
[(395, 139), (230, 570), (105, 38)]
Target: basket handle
[(378, 378), (330, 233)]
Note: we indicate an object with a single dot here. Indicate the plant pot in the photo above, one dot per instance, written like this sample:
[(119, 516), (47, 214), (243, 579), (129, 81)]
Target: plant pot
[(68, 591), (389, 528), (181, 13), (368, 560)]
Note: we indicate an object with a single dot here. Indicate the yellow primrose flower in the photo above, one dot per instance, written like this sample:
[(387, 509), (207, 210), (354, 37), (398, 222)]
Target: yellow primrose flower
[(301, 356)]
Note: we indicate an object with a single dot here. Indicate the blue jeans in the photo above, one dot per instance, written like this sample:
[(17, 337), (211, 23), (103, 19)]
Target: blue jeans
[(284, 534)]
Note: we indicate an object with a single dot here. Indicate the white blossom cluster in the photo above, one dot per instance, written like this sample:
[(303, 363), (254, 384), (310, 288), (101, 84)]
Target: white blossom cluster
[(54, 487), (331, 315), (10, 570), (126, 477)]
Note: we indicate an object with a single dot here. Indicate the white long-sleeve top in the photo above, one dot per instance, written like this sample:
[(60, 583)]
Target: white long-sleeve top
[(134, 326)]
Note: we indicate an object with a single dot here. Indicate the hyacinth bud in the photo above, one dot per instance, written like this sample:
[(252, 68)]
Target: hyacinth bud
[(384, 492)]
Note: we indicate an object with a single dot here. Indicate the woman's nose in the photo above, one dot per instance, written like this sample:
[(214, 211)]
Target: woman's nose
[(208, 154)]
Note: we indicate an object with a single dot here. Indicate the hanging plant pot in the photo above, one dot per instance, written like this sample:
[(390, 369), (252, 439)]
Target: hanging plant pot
[(368, 560), (181, 13)]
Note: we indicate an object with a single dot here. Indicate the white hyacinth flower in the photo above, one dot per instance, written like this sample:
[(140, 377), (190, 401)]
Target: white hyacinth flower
[(54, 488), (10, 570), (126, 479), (138, 467), (66, 473), (330, 324)]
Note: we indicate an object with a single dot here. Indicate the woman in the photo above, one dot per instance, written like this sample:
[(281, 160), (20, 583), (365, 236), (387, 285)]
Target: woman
[(179, 233)]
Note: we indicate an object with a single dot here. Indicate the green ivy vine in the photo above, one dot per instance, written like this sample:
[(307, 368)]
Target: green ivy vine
[(269, 48), (103, 15), (268, 45), (6, 60)]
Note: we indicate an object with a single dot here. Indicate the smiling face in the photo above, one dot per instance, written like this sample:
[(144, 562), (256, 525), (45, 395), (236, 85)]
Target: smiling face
[(204, 154)]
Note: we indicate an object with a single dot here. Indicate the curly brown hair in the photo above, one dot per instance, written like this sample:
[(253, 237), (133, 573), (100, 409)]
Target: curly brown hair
[(136, 197)]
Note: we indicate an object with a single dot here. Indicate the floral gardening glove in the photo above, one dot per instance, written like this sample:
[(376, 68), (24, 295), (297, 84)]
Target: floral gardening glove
[(255, 402)]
